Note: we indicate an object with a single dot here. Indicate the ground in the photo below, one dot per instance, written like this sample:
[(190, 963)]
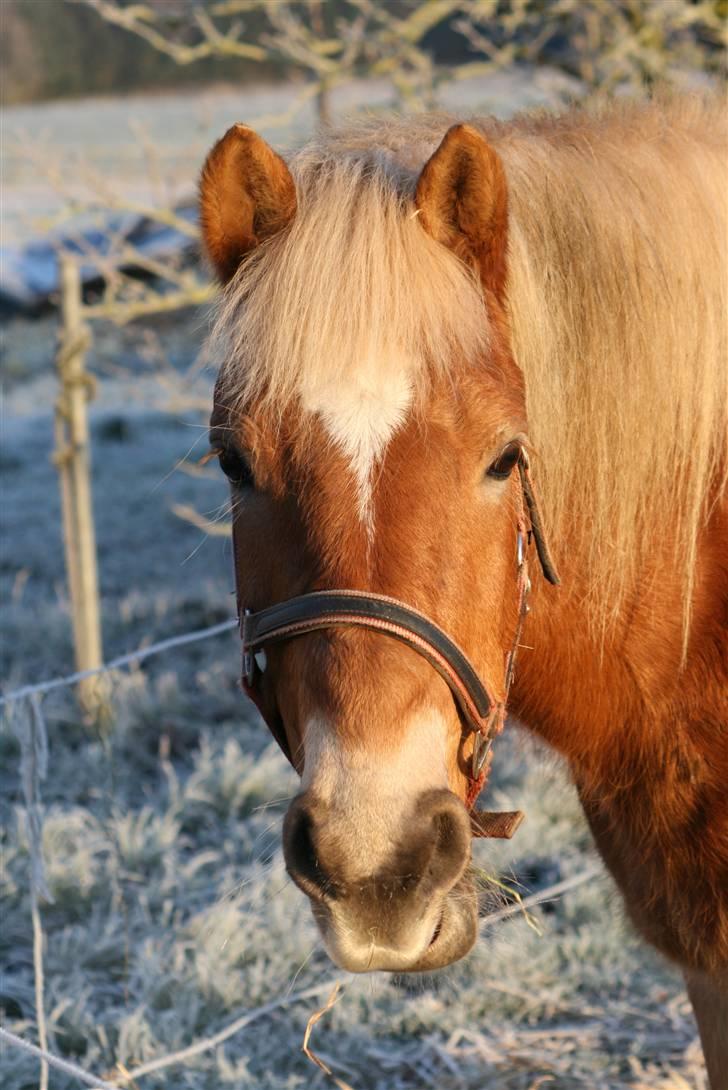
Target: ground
[(171, 913)]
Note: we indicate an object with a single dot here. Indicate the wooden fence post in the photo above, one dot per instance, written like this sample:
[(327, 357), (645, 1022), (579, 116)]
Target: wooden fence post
[(73, 458)]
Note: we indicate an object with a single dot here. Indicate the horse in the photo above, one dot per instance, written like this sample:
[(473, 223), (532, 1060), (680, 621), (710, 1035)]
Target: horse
[(446, 344)]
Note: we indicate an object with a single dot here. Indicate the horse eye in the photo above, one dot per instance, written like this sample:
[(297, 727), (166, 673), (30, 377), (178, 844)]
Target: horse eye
[(235, 467), (506, 462)]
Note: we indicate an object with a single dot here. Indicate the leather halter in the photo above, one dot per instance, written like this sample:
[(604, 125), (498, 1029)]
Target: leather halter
[(482, 713)]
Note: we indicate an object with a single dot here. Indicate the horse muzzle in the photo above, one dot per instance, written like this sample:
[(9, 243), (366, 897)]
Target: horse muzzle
[(414, 911)]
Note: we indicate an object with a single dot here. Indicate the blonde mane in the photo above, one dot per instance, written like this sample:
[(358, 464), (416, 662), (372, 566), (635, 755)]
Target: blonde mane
[(618, 301), (617, 294)]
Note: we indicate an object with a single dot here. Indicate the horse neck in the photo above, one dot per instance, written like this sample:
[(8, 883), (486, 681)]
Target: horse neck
[(609, 699)]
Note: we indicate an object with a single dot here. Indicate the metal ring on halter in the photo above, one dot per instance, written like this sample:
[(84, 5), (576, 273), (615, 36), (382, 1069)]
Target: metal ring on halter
[(520, 549), (481, 749), (248, 656)]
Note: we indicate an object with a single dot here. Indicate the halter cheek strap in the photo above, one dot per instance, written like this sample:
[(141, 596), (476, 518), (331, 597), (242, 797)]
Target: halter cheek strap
[(482, 713)]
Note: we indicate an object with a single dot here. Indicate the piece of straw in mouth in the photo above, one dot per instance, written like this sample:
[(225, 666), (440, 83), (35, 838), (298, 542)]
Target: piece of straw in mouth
[(121, 1071), (491, 879), (309, 1053)]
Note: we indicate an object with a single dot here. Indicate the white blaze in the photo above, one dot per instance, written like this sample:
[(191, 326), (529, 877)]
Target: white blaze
[(371, 795), (361, 414)]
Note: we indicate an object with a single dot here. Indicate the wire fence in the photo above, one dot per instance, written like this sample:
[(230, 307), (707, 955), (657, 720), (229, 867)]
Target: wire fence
[(30, 726), (130, 659), (128, 1077)]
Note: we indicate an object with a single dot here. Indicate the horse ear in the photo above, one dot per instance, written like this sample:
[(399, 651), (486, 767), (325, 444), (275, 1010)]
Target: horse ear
[(246, 195), (462, 198)]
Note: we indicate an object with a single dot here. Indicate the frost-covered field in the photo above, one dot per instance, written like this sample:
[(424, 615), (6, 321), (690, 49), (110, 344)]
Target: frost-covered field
[(171, 913)]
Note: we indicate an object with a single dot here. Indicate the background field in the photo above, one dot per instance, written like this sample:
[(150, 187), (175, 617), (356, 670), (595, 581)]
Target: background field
[(171, 913)]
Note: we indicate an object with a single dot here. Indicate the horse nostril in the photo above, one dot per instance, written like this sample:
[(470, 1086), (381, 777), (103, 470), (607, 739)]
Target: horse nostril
[(451, 839), (301, 851), (446, 830)]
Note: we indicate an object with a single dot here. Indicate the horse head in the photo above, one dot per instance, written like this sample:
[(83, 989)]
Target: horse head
[(371, 417)]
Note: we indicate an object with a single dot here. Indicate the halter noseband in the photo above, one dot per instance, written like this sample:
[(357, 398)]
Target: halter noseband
[(481, 712)]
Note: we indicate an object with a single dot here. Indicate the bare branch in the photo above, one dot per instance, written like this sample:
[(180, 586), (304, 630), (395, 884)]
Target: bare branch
[(142, 21)]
